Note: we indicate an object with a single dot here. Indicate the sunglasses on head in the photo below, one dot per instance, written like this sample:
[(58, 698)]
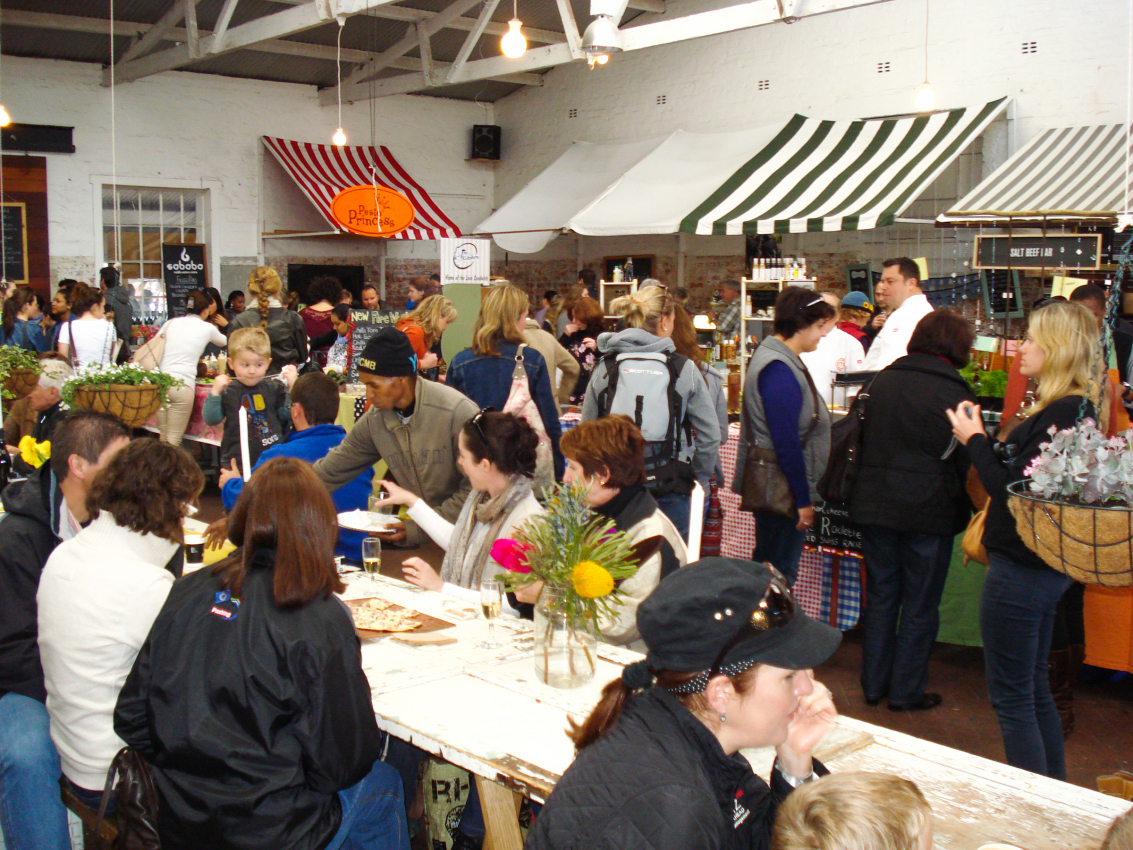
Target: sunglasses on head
[(775, 609), (477, 424)]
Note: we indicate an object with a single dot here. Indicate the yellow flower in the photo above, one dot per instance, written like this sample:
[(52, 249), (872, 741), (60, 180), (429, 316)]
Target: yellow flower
[(591, 580), (34, 454)]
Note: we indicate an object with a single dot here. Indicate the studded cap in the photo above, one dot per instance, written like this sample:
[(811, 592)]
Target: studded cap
[(697, 610)]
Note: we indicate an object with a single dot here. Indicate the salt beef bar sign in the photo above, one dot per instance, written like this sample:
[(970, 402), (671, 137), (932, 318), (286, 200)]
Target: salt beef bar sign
[(1060, 251), (184, 269)]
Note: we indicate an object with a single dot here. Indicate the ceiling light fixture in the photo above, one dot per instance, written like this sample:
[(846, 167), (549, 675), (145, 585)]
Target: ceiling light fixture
[(513, 44), (926, 97), (602, 36), (339, 137)]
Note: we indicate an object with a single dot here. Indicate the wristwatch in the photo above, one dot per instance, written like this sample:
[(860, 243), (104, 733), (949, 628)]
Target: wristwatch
[(794, 781)]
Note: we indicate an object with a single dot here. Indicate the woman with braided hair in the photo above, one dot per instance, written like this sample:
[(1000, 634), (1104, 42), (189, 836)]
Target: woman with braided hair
[(284, 327), (658, 765)]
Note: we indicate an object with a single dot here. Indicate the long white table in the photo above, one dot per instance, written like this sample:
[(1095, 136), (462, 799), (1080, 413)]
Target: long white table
[(464, 704)]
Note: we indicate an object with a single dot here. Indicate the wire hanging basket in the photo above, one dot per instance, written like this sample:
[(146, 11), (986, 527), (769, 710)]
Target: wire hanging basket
[(1089, 543), (20, 382), (131, 403)]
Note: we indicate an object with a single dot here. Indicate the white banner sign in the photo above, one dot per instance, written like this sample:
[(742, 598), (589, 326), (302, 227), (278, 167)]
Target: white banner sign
[(465, 261)]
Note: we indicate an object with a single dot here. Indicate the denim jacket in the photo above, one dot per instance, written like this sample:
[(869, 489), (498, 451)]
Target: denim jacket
[(486, 379)]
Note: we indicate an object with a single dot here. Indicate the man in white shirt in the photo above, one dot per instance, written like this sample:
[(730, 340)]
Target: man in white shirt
[(908, 305), (837, 353)]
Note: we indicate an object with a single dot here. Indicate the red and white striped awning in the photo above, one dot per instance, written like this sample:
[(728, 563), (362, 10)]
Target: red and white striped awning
[(322, 171)]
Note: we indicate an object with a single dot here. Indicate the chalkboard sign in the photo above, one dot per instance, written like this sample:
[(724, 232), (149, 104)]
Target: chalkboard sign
[(366, 324), (1058, 251), (15, 235), (185, 269), (833, 529)]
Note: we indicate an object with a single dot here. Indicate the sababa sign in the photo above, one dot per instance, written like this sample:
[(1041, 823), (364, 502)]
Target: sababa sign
[(372, 211)]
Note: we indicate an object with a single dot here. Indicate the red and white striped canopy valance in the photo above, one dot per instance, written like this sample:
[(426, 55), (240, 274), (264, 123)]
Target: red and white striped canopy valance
[(322, 171)]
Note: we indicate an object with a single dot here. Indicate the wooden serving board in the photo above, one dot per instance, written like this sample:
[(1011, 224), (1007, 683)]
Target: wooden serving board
[(428, 624)]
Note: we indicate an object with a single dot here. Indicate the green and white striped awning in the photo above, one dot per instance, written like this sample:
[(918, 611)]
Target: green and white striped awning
[(1066, 173), (820, 175)]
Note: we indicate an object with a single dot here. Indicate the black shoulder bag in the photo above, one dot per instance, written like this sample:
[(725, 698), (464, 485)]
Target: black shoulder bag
[(136, 798)]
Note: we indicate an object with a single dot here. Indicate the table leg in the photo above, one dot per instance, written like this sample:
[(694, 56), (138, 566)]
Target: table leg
[(500, 806)]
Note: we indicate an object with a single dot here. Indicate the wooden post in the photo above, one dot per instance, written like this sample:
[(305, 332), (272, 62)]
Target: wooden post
[(500, 806)]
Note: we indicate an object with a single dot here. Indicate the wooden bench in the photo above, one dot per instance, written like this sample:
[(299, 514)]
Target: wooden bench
[(101, 838)]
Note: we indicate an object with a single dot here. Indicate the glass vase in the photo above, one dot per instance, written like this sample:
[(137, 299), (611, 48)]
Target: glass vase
[(566, 650)]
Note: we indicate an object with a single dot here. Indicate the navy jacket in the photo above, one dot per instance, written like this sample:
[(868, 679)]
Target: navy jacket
[(487, 381), (313, 445)]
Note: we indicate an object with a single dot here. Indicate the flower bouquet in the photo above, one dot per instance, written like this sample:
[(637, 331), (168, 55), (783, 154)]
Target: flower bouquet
[(580, 558), (1076, 510)]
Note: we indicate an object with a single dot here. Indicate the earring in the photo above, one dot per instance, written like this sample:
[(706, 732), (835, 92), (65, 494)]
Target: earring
[(723, 718)]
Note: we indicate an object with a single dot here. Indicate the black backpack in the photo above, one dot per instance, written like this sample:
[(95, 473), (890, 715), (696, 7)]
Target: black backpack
[(649, 375)]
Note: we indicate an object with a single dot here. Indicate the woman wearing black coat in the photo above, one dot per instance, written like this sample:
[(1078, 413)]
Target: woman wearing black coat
[(910, 500)]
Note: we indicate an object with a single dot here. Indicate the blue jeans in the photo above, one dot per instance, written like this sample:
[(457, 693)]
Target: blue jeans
[(373, 813), (1017, 613), (31, 812), (905, 574), (676, 508), (779, 542)]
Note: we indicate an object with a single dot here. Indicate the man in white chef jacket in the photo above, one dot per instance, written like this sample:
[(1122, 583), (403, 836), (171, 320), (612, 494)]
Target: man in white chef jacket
[(908, 304), (837, 353)]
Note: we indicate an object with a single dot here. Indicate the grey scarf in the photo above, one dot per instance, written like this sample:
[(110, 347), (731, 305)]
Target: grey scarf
[(462, 566)]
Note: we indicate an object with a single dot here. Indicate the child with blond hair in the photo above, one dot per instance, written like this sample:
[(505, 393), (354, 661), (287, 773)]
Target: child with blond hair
[(265, 399), (854, 811)]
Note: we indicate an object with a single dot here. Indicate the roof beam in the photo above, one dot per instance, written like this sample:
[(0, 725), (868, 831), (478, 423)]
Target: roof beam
[(194, 39), (570, 29), (404, 13), (473, 37), (147, 42), (222, 23)]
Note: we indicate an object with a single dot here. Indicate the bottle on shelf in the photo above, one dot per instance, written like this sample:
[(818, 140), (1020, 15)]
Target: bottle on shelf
[(619, 275), (627, 269)]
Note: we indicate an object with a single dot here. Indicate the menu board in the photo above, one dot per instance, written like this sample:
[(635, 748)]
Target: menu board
[(185, 269), (15, 235), (833, 529), (366, 324)]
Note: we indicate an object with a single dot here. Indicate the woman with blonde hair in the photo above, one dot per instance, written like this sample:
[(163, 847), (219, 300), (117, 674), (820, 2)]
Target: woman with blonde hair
[(642, 375), (425, 325), (284, 327), (484, 371), (1021, 593)]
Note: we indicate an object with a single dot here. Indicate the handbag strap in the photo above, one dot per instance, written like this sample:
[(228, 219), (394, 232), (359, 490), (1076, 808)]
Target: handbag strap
[(520, 366), (70, 339), (111, 775)]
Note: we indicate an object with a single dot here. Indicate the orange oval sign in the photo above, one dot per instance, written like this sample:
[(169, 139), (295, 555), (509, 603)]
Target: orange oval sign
[(372, 211)]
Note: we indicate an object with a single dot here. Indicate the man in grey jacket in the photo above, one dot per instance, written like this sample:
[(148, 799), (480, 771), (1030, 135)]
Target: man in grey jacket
[(116, 298), (412, 424)]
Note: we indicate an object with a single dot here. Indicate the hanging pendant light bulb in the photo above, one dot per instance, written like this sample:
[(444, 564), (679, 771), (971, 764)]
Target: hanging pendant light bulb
[(513, 44), (5, 119), (339, 137), (926, 97), (601, 58)]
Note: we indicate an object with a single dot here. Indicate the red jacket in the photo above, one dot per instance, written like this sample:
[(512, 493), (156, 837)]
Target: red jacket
[(856, 332)]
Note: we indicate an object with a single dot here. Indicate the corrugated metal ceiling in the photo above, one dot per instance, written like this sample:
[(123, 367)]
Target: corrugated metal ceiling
[(362, 32)]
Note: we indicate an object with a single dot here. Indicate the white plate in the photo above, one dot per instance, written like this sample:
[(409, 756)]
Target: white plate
[(365, 521)]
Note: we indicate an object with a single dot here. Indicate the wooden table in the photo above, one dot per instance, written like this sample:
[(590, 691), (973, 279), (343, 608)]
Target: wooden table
[(465, 705)]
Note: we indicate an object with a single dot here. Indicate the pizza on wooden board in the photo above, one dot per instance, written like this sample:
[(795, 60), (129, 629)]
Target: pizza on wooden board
[(378, 615)]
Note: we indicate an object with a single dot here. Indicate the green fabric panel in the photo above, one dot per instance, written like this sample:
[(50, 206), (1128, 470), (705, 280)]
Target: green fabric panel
[(896, 155), (883, 133), (960, 605), (690, 221)]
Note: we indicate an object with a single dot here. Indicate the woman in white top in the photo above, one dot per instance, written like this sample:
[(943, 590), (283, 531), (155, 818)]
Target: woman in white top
[(185, 340), (497, 453), (95, 340), (98, 596)]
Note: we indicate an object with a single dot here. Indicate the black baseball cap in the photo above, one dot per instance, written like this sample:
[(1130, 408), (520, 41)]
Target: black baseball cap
[(693, 614)]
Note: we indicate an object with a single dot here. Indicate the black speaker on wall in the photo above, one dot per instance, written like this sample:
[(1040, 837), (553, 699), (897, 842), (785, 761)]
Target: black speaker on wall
[(486, 141)]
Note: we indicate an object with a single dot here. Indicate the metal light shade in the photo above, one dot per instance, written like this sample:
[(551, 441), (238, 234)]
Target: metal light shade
[(602, 36)]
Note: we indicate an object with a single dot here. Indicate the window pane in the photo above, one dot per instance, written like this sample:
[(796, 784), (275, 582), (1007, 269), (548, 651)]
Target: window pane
[(127, 208), (151, 207), (190, 236), (109, 244), (132, 273), (151, 243), (171, 209), (173, 237), (189, 200), (130, 244)]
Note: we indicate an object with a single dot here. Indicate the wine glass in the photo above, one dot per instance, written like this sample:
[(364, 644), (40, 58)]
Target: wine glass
[(372, 560), (491, 603)]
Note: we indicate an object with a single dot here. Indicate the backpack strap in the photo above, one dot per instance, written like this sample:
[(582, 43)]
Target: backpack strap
[(606, 395), (676, 363)]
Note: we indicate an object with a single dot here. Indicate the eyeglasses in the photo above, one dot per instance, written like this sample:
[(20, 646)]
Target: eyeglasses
[(475, 420), (775, 610)]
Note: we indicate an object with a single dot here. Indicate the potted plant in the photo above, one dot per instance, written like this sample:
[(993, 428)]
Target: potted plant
[(1076, 510), (19, 371), (990, 386), (581, 558), (128, 392)]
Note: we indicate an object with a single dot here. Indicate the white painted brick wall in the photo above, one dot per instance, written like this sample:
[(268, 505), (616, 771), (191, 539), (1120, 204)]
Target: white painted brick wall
[(191, 127)]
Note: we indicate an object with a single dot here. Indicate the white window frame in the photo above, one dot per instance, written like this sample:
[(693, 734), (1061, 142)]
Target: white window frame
[(209, 190)]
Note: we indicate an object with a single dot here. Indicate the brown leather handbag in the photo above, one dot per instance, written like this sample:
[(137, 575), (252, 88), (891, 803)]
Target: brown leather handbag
[(764, 488), (135, 795)]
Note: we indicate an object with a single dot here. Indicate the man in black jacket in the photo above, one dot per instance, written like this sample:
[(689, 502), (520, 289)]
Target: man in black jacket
[(39, 513)]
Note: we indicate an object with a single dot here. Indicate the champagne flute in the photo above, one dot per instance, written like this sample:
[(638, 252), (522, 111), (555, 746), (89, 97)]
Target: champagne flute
[(491, 603), (372, 559)]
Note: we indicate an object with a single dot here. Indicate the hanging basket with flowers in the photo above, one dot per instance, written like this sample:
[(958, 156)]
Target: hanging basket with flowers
[(19, 371), (581, 558), (1076, 510), (127, 392)]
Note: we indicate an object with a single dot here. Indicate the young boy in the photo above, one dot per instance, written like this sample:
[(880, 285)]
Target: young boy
[(269, 418), (854, 811)]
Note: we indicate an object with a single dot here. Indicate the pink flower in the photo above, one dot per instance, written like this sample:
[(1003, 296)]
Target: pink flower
[(511, 555)]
